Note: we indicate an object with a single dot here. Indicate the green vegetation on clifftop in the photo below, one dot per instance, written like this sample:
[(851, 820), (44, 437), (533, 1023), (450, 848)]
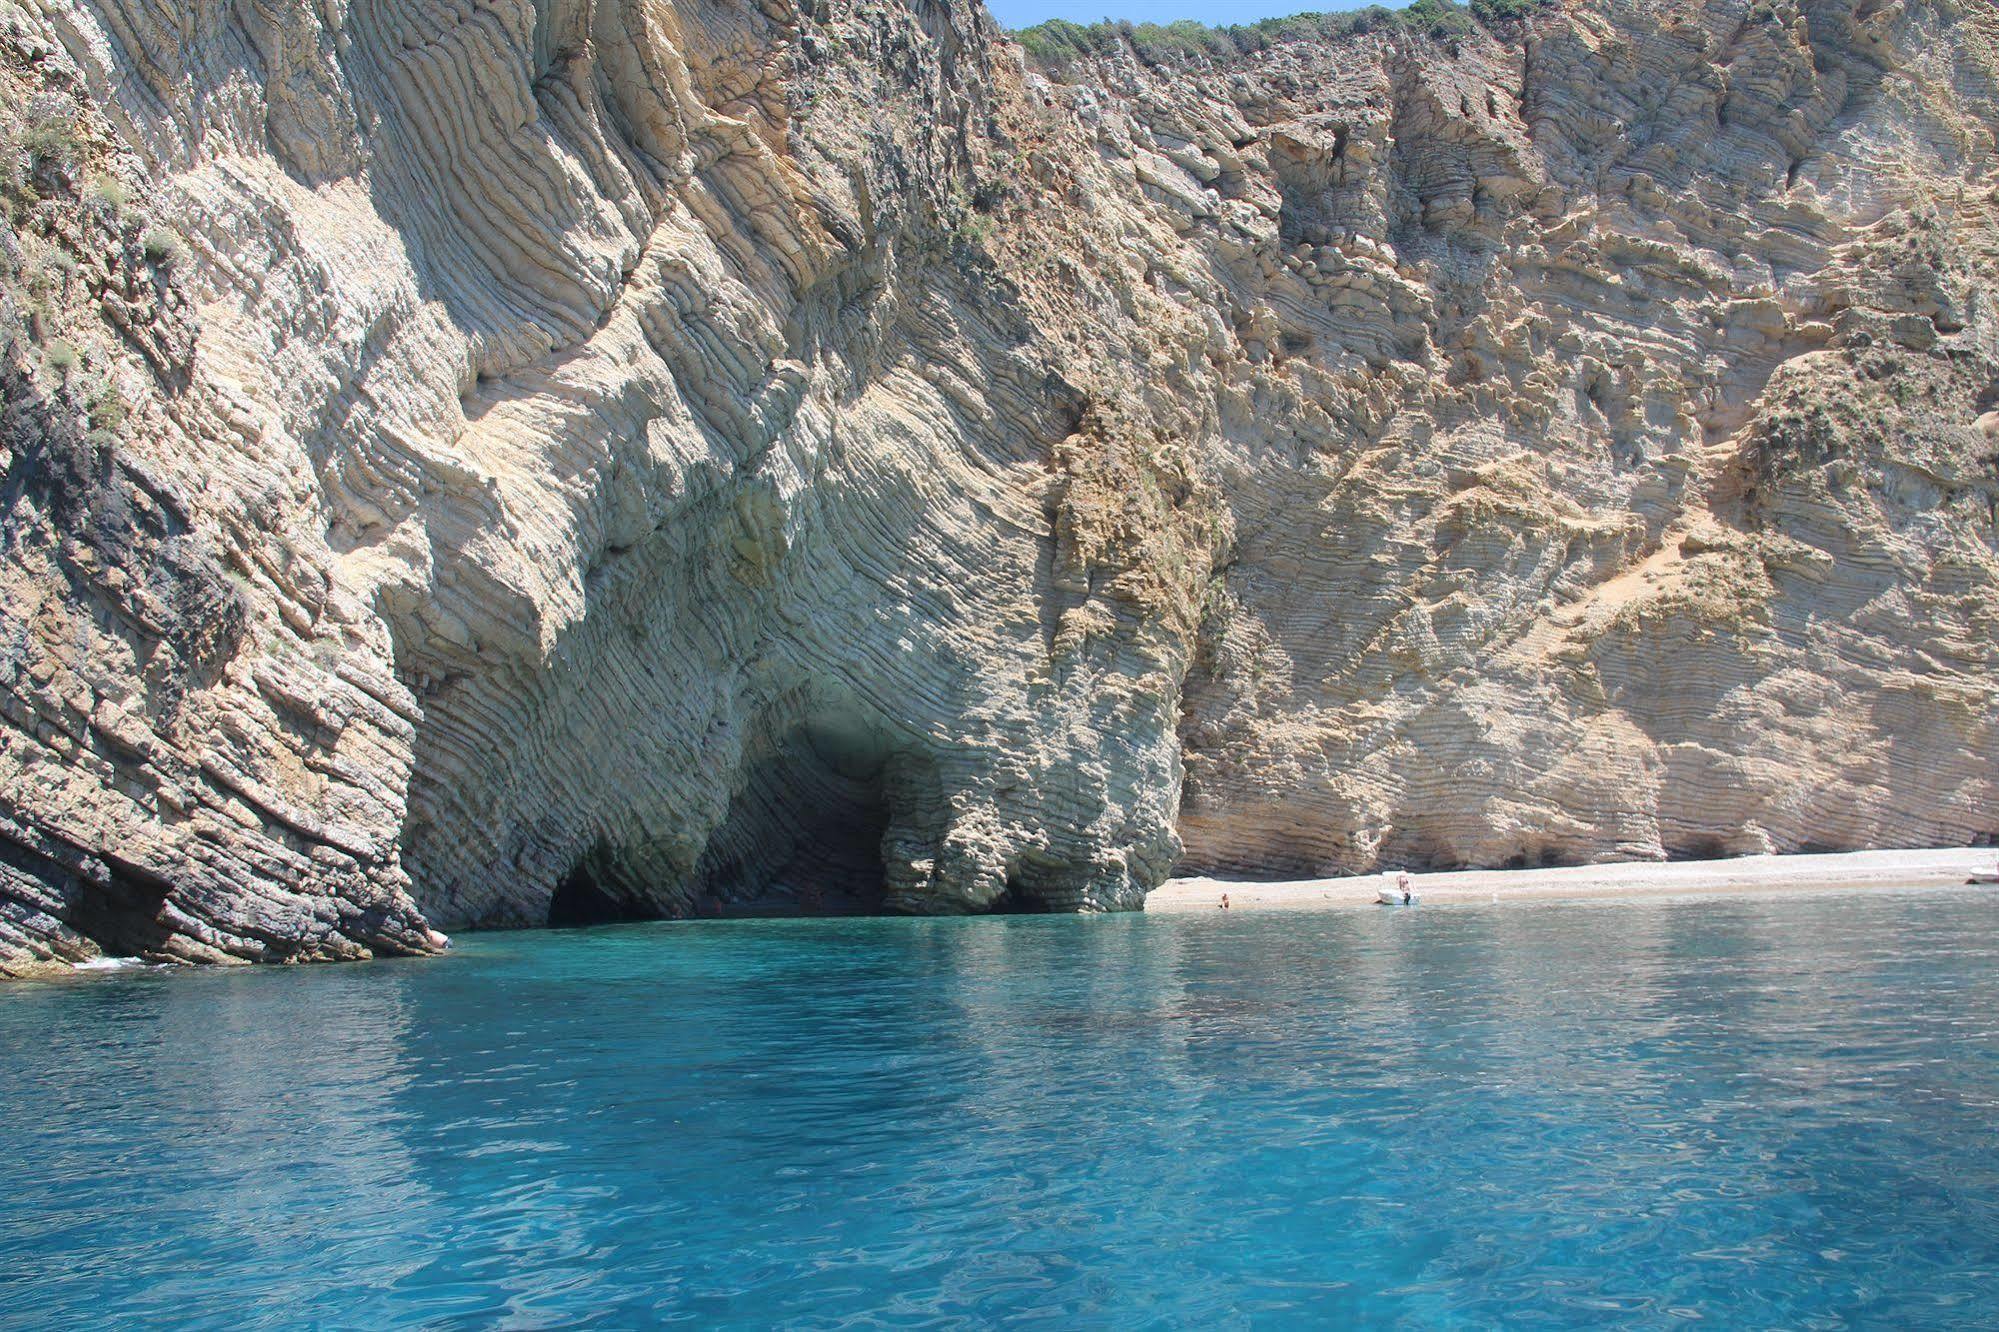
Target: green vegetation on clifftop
[(1059, 43)]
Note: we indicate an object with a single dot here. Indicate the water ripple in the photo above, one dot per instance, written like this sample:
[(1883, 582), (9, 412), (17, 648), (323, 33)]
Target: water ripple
[(1776, 1113)]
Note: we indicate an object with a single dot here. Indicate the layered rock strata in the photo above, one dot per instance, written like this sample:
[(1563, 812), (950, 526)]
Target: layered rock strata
[(501, 462)]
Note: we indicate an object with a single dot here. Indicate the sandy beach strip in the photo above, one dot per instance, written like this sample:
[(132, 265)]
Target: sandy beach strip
[(1685, 878)]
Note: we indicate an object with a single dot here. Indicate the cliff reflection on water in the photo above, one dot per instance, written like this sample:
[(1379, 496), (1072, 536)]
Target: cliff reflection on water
[(1783, 1111)]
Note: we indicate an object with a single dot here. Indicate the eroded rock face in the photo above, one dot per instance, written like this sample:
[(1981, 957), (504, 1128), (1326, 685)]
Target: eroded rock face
[(1609, 471), (615, 458)]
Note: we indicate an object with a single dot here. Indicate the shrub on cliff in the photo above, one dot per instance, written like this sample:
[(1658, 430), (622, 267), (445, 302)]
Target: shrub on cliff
[(1059, 44), (1502, 11), (162, 247)]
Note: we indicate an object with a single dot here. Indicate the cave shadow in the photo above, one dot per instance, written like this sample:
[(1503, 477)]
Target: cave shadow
[(802, 836), (118, 905)]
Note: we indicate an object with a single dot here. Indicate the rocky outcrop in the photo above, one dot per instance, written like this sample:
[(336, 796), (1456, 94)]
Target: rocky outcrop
[(1613, 467), (504, 462)]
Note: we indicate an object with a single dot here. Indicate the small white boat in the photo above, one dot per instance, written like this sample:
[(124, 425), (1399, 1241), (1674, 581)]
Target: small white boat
[(1394, 897), (1984, 878)]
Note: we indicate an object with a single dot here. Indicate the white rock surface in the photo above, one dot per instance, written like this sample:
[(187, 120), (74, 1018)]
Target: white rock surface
[(636, 457)]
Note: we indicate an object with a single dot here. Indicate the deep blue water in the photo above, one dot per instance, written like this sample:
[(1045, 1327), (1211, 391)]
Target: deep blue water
[(1755, 1113)]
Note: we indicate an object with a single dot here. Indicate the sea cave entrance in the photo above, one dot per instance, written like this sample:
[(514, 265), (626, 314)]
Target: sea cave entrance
[(803, 835)]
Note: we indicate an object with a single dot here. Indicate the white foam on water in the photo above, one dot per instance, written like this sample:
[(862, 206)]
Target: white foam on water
[(110, 963)]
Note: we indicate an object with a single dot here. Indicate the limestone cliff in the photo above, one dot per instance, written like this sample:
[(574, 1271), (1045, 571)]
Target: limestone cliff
[(498, 461)]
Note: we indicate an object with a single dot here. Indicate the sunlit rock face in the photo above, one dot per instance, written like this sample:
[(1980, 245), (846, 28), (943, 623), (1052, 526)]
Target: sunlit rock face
[(581, 461), (1605, 415)]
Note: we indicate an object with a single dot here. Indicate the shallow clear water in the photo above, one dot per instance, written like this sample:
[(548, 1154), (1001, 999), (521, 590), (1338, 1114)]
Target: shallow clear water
[(1782, 1112)]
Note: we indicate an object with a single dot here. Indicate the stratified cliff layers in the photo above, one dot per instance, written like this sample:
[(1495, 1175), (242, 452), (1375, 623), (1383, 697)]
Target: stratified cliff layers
[(490, 462)]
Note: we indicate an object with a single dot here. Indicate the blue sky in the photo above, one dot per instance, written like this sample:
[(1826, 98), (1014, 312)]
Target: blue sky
[(1022, 13)]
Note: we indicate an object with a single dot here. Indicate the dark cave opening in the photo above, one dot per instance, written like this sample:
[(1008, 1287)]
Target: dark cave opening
[(1543, 857), (803, 835), (110, 900), (1698, 848), (1017, 901), (583, 898)]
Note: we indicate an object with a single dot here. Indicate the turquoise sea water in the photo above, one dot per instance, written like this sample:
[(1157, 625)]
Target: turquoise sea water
[(1753, 1113)]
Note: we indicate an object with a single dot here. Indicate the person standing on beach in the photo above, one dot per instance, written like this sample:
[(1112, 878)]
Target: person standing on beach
[(1402, 883)]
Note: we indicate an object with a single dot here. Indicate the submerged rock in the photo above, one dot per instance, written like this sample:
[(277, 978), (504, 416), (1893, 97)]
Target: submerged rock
[(564, 462)]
